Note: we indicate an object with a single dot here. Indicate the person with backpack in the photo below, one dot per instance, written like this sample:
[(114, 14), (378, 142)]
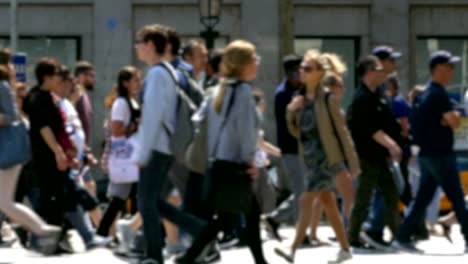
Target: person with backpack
[(433, 121), (124, 119), (325, 144), (155, 155), (232, 136), (186, 181)]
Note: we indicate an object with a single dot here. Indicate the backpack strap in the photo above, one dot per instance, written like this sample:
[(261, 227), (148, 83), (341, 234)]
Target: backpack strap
[(223, 123), (182, 94)]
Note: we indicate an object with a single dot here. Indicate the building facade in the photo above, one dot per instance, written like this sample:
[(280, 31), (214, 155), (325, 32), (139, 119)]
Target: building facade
[(102, 31)]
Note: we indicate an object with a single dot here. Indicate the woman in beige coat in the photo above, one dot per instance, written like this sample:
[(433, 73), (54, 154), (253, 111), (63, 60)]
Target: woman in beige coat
[(325, 144)]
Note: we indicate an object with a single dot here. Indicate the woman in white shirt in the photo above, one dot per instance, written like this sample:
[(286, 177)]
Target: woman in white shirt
[(124, 118)]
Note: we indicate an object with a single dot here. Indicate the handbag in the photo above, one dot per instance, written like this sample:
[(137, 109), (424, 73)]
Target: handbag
[(196, 154), (122, 169), (15, 147), (229, 185)]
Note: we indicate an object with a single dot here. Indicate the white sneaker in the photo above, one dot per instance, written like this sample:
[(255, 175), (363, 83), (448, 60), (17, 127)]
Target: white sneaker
[(124, 234), (174, 250), (343, 255), (98, 242)]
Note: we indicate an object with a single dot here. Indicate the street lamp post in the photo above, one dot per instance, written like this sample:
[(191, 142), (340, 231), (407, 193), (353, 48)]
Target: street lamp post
[(210, 11), (13, 25)]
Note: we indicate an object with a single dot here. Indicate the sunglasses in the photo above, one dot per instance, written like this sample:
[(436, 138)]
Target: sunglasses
[(307, 68)]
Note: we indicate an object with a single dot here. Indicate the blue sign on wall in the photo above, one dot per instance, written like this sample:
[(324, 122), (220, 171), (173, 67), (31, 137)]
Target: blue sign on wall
[(19, 60)]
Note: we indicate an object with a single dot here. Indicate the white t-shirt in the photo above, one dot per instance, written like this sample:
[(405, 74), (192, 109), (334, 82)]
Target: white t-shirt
[(121, 111), (73, 125)]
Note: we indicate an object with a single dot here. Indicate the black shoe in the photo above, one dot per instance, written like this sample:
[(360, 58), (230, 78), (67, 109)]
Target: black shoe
[(421, 233), (65, 247), (272, 228), (447, 230), (22, 235), (209, 255), (148, 261), (359, 247), (228, 241), (375, 240), (212, 257), (406, 247)]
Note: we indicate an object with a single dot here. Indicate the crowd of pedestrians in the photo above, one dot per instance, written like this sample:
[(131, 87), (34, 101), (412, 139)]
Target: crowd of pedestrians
[(189, 166)]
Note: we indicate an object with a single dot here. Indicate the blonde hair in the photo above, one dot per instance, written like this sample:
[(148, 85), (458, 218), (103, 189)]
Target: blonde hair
[(326, 61), (236, 56)]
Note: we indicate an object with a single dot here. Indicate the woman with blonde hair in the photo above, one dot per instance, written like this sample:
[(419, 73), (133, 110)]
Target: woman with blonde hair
[(314, 117), (232, 135)]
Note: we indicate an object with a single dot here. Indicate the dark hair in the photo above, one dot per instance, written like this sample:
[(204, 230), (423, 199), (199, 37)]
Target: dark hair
[(5, 56), (331, 79), (119, 90), (65, 73), (4, 73), (157, 34), (258, 95), (83, 67), (214, 59), (394, 80), (174, 39), (365, 64), (291, 61), (189, 47), (46, 67)]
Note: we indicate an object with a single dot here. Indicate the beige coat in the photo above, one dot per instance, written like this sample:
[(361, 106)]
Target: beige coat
[(330, 140)]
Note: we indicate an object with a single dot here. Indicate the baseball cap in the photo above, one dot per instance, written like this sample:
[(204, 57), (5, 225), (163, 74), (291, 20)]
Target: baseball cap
[(385, 52), (441, 57)]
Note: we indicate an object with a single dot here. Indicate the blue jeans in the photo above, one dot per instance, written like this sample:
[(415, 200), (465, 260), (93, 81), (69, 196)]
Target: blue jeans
[(153, 206), (440, 171), (376, 221)]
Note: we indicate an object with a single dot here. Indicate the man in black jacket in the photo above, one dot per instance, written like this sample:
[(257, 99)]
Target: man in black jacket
[(375, 133)]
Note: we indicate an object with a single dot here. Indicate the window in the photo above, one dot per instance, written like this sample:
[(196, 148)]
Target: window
[(458, 46), (65, 49), (346, 48)]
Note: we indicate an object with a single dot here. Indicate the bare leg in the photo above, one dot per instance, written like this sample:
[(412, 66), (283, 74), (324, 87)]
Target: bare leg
[(96, 216), (16, 211), (344, 185), (136, 222), (172, 231), (334, 217), (305, 214), (317, 212), (449, 219)]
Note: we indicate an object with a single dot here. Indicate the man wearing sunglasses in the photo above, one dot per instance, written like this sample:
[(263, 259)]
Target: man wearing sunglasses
[(374, 130), (373, 234)]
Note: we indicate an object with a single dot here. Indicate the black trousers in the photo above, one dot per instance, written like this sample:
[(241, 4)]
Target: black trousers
[(227, 221)]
